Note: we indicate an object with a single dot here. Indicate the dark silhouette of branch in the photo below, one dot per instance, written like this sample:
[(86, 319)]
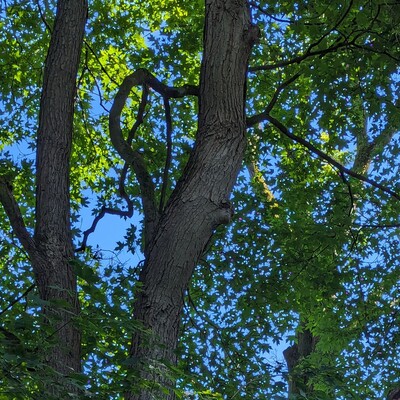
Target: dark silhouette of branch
[(140, 114), (168, 159), (16, 300), (43, 17), (297, 60), (283, 20), (284, 130), (99, 62), (13, 212), (123, 146), (377, 226), (103, 211), (352, 200), (334, 28), (250, 121)]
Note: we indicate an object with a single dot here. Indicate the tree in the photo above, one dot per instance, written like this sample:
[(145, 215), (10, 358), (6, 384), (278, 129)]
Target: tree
[(283, 89)]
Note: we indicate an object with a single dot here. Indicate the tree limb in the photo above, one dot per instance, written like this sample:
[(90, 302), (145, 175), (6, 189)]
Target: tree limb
[(250, 121), (17, 299), (297, 60), (13, 212), (283, 129), (104, 210), (168, 119), (132, 157)]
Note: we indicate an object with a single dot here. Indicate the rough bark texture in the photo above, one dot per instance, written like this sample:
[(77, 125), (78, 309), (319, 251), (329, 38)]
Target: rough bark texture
[(53, 243), (394, 394), (200, 201)]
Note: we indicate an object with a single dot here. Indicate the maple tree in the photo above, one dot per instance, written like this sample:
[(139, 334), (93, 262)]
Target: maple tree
[(254, 148)]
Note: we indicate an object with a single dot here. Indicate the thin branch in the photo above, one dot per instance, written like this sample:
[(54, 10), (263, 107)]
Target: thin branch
[(299, 59), (104, 210), (334, 28), (256, 119), (84, 69), (140, 114), (98, 60), (43, 17), (16, 300), (285, 21), (202, 315), (377, 226), (347, 183), (121, 188), (98, 92), (168, 159), (283, 129)]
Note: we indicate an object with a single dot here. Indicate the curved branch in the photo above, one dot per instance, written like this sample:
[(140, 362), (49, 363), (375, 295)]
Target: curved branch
[(140, 114), (104, 210), (132, 157)]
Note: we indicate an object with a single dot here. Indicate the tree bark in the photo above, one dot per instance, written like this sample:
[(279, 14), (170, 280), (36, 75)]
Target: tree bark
[(200, 201), (294, 354), (51, 261)]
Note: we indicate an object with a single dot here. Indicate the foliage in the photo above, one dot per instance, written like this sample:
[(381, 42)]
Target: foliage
[(308, 240)]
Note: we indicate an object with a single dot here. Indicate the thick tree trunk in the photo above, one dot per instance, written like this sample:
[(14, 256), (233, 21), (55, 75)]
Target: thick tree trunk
[(52, 239), (200, 201)]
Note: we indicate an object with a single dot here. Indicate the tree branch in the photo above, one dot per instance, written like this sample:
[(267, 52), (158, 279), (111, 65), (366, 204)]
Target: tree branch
[(256, 119), (169, 153), (132, 157), (104, 210), (284, 20), (367, 149), (283, 129), (140, 114), (17, 299), (13, 212), (297, 60)]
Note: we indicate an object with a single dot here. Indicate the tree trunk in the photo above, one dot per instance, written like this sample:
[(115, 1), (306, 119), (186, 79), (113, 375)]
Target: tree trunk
[(304, 347), (200, 201), (53, 253)]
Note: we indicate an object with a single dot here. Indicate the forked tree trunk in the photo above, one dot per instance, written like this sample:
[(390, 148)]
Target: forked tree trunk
[(200, 201)]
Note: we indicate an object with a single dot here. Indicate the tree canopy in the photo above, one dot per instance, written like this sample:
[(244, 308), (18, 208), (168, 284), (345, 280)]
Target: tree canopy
[(298, 255)]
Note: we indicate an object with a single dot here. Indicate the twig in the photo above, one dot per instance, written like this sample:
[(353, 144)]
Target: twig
[(299, 59), (43, 17), (104, 210), (15, 301)]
